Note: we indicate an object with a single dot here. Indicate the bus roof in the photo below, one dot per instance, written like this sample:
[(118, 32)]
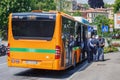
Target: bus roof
[(36, 13), (45, 13), (31, 13)]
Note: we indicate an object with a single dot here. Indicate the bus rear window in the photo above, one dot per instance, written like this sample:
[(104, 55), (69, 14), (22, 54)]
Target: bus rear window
[(42, 29)]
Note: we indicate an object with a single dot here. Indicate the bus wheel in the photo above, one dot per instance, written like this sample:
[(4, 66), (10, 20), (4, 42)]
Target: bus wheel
[(74, 61)]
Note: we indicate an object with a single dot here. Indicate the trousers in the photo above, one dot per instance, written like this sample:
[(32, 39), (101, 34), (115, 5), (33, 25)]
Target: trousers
[(100, 54)]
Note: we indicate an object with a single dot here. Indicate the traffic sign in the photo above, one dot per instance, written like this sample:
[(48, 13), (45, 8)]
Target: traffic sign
[(104, 28), (90, 29), (111, 29)]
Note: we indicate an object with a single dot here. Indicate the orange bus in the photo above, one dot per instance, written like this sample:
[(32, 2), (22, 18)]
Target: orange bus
[(44, 40)]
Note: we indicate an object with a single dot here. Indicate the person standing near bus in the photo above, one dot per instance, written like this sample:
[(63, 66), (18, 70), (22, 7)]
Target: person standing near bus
[(89, 51), (95, 48), (101, 48), (92, 48)]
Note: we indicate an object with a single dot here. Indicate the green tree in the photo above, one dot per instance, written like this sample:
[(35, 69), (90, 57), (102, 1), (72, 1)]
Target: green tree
[(101, 20), (111, 21), (108, 5), (77, 13), (45, 5), (86, 6), (8, 6), (116, 6)]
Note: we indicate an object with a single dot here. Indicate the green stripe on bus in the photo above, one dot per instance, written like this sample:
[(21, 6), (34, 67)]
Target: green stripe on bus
[(75, 48), (32, 50)]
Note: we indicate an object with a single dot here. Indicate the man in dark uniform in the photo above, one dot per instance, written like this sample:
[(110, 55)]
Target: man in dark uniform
[(101, 48), (88, 50), (92, 48)]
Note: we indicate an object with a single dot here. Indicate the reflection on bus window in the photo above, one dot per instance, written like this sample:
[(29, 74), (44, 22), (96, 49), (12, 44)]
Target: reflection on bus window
[(68, 28), (25, 29)]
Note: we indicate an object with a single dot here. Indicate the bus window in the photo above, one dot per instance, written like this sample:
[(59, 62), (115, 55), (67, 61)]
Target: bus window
[(68, 33), (41, 28), (68, 28), (78, 32)]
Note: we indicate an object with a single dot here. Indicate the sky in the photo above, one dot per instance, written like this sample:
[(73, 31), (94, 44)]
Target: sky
[(106, 1)]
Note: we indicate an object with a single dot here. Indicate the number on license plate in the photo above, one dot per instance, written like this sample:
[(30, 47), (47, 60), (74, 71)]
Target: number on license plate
[(31, 62)]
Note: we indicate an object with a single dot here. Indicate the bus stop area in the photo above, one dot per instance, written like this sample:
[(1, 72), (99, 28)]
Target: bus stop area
[(102, 70)]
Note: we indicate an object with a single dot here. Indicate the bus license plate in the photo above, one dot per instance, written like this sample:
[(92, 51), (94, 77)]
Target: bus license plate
[(31, 62)]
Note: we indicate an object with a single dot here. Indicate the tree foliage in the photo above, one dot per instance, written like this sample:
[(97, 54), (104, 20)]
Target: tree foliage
[(86, 6), (116, 6), (77, 13), (108, 5), (8, 6), (100, 21), (45, 5)]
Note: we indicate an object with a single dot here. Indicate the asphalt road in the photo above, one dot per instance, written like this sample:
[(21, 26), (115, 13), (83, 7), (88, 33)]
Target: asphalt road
[(12, 73), (102, 70)]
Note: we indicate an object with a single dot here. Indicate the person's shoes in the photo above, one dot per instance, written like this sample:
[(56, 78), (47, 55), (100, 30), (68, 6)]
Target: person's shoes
[(103, 60)]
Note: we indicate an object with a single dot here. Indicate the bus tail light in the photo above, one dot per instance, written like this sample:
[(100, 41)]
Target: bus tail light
[(58, 51), (8, 50)]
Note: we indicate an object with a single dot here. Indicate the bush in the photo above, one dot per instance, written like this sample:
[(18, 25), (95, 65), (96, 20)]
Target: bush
[(116, 44), (110, 49)]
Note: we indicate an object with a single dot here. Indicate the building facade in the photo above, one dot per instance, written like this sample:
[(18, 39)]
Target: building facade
[(92, 13), (117, 20)]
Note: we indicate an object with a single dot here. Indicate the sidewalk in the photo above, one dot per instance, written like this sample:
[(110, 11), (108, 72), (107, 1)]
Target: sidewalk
[(106, 70)]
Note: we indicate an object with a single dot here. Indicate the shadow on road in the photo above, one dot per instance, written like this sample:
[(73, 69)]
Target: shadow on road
[(53, 74), (104, 60)]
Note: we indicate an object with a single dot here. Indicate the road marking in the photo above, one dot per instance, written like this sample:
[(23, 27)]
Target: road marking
[(3, 63)]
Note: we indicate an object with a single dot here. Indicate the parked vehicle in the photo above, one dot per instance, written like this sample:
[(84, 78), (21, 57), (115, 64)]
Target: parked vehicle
[(116, 36), (3, 50)]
